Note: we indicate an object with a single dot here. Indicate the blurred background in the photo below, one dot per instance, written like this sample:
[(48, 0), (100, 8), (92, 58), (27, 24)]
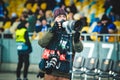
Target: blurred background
[(39, 13)]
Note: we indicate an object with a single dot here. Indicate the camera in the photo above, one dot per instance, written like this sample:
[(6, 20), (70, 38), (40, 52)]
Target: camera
[(72, 25), (53, 61)]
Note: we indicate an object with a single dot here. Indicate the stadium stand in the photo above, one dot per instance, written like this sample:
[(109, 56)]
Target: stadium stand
[(90, 11)]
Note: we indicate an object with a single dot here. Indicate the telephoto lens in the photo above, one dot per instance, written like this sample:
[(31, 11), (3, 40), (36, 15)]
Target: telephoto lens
[(72, 25)]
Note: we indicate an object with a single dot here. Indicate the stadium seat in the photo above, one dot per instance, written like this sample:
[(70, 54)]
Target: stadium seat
[(29, 6), (116, 70), (14, 27), (34, 8), (7, 25), (78, 67), (117, 23), (85, 28), (112, 39), (94, 36), (91, 66), (100, 12), (79, 62), (19, 11), (78, 6), (67, 2), (105, 68), (93, 8), (43, 6), (1, 24)]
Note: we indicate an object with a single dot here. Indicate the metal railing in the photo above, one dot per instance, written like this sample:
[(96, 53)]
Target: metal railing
[(104, 36), (96, 36)]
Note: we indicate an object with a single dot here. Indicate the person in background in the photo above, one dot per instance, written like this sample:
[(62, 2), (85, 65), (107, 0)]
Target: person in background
[(3, 11), (49, 16), (96, 30), (44, 25), (108, 27), (24, 49), (32, 21), (98, 27), (107, 23), (57, 45), (1, 30), (37, 26)]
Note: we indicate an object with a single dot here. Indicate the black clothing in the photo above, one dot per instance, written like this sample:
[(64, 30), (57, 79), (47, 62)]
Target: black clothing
[(23, 58), (57, 39), (23, 55)]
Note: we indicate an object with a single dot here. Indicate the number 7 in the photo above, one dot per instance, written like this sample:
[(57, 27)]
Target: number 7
[(91, 46), (111, 47)]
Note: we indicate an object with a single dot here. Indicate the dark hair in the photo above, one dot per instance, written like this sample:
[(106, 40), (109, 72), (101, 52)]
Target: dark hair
[(104, 17), (2, 29), (22, 24)]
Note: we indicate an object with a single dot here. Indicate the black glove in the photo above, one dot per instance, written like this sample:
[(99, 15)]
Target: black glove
[(55, 27), (76, 36)]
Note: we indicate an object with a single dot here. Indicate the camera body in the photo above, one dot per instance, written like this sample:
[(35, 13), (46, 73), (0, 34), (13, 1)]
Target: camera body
[(52, 63)]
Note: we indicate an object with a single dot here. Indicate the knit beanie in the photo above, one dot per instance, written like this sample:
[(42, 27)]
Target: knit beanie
[(58, 12), (104, 17)]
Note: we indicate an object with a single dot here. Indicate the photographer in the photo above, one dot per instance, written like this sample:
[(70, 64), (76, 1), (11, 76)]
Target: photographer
[(55, 59)]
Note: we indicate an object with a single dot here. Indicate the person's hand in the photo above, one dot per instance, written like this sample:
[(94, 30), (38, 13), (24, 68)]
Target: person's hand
[(54, 28), (57, 26), (40, 75)]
